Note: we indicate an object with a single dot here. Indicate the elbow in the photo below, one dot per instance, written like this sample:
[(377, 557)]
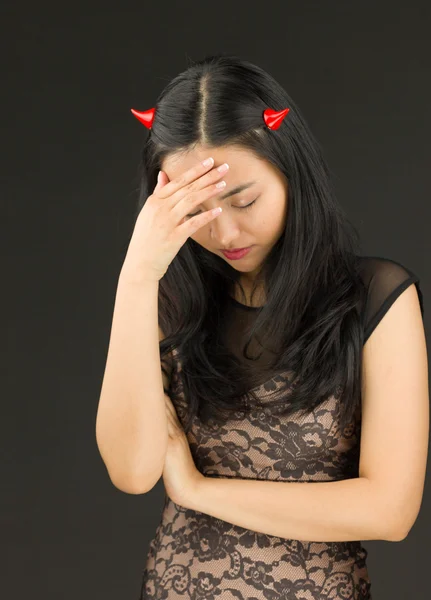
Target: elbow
[(393, 515), (133, 479), (398, 528), (136, 482), (397, 535), (135, 485), (401, 531)]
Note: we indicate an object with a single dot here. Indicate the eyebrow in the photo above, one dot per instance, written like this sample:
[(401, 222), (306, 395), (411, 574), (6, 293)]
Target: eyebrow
[(237, 189)]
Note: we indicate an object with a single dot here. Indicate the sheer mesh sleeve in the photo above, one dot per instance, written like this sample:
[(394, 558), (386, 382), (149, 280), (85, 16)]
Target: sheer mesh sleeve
[(386, 280)]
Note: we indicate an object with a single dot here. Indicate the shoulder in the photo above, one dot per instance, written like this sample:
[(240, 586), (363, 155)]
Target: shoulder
[(375, 269), (386, 280)]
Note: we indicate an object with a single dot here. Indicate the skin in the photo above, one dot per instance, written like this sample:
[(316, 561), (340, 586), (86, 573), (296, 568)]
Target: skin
[(261, 225)]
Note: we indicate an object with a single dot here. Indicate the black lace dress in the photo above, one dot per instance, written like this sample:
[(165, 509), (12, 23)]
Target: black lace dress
[(194, 555)]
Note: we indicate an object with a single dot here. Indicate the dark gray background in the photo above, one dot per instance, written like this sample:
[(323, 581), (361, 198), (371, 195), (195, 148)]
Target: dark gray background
[(359, 72)]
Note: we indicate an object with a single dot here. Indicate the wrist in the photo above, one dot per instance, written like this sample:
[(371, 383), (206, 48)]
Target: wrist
[(129, 275), (194, 501)]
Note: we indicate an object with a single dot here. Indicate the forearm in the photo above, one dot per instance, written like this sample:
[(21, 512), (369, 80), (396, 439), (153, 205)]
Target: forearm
[(334, 511), (131, 425)]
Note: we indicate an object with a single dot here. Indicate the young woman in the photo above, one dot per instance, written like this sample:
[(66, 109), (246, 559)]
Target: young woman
[(275, 373)]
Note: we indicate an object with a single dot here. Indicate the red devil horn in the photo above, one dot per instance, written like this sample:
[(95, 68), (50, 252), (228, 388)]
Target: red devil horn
[(146, 117), (274, 118)]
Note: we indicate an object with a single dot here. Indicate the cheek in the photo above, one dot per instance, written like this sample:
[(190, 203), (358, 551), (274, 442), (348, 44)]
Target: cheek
[(274, 220), (267, 229)]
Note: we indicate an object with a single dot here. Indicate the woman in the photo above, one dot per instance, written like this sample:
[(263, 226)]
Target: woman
[(270, 383)]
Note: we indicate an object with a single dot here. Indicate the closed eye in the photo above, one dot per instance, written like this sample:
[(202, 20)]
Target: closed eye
[(239, 207)]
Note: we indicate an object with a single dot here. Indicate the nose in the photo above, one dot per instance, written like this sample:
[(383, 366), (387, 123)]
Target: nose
[(224, 231)]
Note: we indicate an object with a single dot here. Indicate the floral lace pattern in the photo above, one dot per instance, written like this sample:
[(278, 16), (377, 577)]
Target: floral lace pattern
[(196, 556)]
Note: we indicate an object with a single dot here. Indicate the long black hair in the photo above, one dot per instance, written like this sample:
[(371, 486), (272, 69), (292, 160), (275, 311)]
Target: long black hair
[(312, 318)]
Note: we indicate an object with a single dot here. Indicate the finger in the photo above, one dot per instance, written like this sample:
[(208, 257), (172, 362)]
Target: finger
[(171, 426), (196, 172), (172, 409), (172, 415), (171, 430), (170, 405), (168, 402), (162, 180), (169, 414)]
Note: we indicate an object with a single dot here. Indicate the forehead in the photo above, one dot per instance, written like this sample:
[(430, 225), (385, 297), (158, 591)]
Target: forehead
[(242, 162)]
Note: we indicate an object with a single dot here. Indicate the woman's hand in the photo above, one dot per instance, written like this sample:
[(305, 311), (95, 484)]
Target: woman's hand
[(181, 478)]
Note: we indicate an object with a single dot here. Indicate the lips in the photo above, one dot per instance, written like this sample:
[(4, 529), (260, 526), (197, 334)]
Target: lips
[(234, 249), (236, 255)]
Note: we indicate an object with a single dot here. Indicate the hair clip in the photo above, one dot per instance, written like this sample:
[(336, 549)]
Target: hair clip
[(272, 118)]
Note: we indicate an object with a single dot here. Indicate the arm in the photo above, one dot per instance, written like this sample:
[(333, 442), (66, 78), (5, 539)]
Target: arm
[(335, 511), (131, 427), (384, 501)]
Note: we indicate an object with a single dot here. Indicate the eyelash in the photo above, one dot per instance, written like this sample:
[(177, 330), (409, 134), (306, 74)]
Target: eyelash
[(239, 207)]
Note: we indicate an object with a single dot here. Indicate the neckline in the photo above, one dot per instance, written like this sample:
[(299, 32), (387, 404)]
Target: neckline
[(244, 306)]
